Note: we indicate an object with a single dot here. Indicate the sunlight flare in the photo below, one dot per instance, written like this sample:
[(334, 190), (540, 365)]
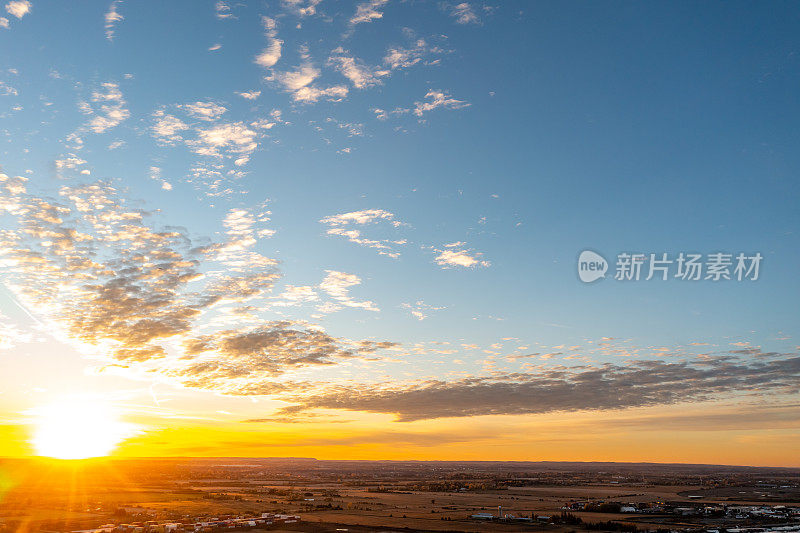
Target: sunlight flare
[(79, 429)]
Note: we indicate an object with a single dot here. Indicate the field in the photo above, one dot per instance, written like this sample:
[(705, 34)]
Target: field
[(372, 496)]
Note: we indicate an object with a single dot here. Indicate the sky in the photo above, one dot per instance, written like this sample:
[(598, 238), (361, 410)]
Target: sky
[(352, 230)]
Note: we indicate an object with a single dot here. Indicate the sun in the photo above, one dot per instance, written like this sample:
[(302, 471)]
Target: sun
[(78, 429)]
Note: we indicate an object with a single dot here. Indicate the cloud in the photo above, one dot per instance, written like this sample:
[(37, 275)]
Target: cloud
[(294, 295), (464, 14), (399, 57), (456, 255), (249, 95), (265, 350), (222, 10), (607, 387), (337, 285), (272, 53), (94, 267), (420, 309), (8, 90), (224, 148), (145, 300), (18, 8), (109, 110), (208, 111), (353, 129), (299, 83), (361, 75), (4, 23), (70, 162), (302, 8), (342, 225), (437, 99), (225, 139), (367, 12), (112, 16), (166, 128)]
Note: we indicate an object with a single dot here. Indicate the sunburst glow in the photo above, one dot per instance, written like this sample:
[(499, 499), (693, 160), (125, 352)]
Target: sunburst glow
[(79, 429)]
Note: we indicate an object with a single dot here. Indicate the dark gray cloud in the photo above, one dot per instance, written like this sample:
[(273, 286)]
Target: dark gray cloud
[(101, 272), (639, 384)]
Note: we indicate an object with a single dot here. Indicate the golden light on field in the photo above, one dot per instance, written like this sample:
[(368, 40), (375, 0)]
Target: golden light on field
[(78, 429)]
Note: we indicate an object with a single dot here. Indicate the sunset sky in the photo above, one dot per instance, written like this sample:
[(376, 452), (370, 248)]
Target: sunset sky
[(351, 230)]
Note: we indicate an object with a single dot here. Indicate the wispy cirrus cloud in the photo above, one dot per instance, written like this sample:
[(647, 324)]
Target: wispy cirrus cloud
[(112, 17), (464, 13), (300, 84), (368, 12), (301, 8), (270, 55), (345, 224), (222, 10), (437, 99), (360, 75), (419, 309)]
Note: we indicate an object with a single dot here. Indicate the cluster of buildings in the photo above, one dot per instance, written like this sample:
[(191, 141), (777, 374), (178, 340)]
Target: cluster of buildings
[(507, 517), (205, 525), (739, 512)]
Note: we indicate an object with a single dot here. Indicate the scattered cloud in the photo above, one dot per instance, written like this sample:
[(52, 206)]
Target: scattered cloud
[(464, 13), (302, 8), (299, 83), (167, 128), (457, 255), (208, 111), (69, 162), (296, 295), (360, 75), (223, 147), (401, 57), (368, 11), (249, 95), (143, 299), (18, 8), (222, 10), (337, 285), (437, 99), (112, 17), (419, 309), (343, 226), (272, 53), (108, 110), (8, 90)]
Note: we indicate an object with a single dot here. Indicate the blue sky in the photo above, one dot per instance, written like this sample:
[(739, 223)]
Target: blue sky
[(517, 133)]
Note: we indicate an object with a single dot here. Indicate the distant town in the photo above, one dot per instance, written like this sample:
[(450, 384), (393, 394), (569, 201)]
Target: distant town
[(297, 494)]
